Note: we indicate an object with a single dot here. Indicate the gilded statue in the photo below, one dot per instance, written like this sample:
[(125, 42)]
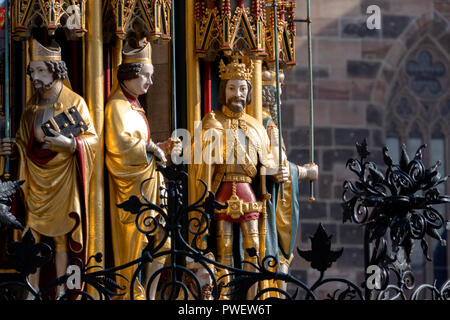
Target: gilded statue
[(240, 156), (55, 146), (132, 157)]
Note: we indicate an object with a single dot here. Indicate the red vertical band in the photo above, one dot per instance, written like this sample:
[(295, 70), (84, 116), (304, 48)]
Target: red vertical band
[(107, 68), (207, 100)]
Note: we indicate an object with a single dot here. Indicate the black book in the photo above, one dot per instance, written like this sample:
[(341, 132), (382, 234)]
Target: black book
[(68, 123)]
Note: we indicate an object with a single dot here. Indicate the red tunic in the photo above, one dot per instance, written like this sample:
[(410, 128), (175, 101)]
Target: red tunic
[(244, 191)]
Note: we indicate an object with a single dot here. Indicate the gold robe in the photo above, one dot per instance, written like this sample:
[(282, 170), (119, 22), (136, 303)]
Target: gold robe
[(126, 135), (54, 198)]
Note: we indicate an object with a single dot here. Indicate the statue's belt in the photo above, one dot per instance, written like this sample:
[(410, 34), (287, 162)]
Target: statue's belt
[(237, 207), (236, 178)]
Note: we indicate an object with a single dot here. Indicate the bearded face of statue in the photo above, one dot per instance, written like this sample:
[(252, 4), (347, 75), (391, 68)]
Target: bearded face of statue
[(41, 76), (236, 92)]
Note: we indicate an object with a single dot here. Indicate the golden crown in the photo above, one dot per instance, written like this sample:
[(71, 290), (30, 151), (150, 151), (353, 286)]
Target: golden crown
[(236, 70), (142, 54), (40, 53)]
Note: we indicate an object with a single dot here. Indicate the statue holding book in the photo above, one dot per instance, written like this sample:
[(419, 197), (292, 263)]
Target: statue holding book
[(55, 146)]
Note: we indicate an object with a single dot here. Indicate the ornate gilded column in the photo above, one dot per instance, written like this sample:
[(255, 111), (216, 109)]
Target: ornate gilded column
[(95, 99), (257, 11), (256, 106), (192, 71), (116, 61), (28, 85), (193, 90)]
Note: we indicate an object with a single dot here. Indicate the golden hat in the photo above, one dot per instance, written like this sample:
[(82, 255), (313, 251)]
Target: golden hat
[(236, 70), (40, 53), (141, 54), (269, 78)]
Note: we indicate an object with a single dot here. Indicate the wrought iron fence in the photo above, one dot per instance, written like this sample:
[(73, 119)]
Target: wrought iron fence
[(395, 205)]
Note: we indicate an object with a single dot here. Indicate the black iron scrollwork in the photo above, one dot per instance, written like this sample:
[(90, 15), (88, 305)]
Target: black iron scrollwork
[(397, 205)]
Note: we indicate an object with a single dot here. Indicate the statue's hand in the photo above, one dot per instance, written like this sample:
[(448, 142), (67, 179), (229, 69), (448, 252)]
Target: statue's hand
[(161, 155), (282, 175), (171, 146), (157, 151), (59, 143), (309, 171), (7, 146)]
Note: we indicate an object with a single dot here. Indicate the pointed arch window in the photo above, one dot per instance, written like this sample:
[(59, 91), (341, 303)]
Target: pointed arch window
[(418, 112)]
